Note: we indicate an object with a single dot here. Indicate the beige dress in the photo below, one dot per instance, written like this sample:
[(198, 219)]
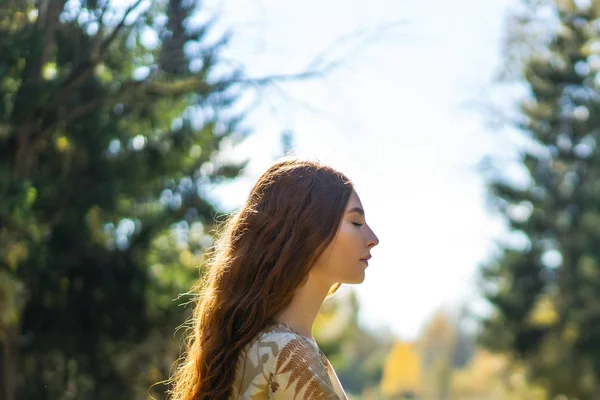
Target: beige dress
[(282, 364)]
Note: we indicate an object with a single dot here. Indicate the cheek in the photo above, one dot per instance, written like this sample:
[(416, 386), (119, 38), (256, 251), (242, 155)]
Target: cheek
[(341, 253), (347, 244)]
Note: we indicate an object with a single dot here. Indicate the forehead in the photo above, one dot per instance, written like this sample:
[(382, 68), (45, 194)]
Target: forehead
[(354, 201)]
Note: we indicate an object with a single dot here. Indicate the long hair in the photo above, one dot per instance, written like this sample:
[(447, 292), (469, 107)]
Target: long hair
[(263, 254)]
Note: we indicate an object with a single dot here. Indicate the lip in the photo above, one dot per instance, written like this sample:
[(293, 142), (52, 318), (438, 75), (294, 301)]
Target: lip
[(366, 258)]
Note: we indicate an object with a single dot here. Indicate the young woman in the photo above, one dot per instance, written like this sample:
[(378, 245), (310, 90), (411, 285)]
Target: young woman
[(299, 236)]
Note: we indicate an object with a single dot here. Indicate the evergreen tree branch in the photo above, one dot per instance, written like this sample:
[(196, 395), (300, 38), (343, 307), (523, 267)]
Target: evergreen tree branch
[(48, 22), (110, 39), (79, 75), (28, 132), (83, 109)]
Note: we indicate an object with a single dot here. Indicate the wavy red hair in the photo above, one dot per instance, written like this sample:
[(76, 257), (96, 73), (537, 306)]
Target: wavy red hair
[(264, 253)]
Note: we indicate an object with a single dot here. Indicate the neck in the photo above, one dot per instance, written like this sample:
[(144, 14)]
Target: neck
[(300, 315)]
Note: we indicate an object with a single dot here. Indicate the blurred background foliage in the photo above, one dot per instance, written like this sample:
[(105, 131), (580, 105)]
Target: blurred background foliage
[(114, 121), (111, 122)]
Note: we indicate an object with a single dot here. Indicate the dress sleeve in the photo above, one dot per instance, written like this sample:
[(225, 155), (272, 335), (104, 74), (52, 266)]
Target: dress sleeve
[(298, 373)]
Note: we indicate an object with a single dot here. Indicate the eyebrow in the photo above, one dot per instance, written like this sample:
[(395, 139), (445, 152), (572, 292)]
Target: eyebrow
[(356, 210)]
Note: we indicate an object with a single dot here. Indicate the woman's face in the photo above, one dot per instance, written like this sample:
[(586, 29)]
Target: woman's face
[(346, 257)]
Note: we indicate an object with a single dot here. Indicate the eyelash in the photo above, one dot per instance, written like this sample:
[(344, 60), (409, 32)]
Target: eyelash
[(357, 224)]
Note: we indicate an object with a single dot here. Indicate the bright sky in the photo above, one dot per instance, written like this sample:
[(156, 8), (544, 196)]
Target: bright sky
[(399, 119)]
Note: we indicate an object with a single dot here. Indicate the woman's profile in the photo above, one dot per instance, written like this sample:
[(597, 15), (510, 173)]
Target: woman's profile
[(298, 237)]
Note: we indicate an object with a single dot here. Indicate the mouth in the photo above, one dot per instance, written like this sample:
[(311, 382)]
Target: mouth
[(366, 259)]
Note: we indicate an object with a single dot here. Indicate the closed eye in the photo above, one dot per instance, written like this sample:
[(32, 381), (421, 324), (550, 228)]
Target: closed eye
[(356, 224)]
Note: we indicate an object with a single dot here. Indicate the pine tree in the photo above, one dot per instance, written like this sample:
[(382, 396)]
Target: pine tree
[(110, 128), (546, 293)]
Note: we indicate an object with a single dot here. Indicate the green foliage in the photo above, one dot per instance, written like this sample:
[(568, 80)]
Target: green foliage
[(545, 293), (110, 128)]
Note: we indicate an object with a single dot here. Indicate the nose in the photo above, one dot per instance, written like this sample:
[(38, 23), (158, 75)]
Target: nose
[(373, 239)]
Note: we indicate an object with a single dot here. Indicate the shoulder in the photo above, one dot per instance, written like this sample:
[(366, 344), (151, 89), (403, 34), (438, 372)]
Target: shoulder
[(281, 351), (296, 353), (298, 369), (278, 336), (274, 340), (281, 364), (266, 347), (256, 362)]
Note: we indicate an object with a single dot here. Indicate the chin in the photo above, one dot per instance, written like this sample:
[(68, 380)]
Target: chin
[(355, 280)]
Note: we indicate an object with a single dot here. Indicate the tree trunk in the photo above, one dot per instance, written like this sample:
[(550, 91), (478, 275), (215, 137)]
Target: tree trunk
[(9, 367)]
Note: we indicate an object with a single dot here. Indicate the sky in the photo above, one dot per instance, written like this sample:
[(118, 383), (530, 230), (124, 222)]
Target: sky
[(402, 117)]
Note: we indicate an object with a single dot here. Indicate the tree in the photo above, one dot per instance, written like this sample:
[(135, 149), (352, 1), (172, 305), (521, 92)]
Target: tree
[(112, 118), (402, 374), (111, 122), (493, 376), (437, 344), (545, 292)]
